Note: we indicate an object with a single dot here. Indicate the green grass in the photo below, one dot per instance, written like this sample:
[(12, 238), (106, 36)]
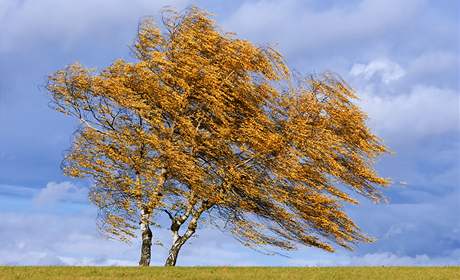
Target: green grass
[(229, 273)]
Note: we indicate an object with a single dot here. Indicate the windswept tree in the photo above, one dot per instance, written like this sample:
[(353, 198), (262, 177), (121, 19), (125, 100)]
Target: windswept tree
[(110, 148), (207, 125)]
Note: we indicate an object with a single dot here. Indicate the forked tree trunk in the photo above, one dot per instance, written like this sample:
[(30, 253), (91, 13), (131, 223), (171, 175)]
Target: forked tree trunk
[(176, 223), (146, 247), (173, 253), (178, 240)]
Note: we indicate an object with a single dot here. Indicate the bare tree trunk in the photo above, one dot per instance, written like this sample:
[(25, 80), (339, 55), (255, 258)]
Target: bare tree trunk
[(173, 253), (178, 240), (146, 212), (146, 247)]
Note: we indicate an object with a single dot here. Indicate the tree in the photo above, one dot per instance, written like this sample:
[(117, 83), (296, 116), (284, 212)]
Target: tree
[(207, 125), (110, 149)]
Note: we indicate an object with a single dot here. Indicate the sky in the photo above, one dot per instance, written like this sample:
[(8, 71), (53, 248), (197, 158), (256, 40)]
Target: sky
[(401, 57)]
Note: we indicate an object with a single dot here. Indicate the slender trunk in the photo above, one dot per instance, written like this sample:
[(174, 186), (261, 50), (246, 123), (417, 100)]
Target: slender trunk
[(177, 245), (173, 253), (178, 240), (146, 240), (146, 247), (176, 222)]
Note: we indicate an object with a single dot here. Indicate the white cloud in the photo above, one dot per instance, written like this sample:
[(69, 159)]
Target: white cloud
[(52, 192), (96, 262), (27, 22), (424, 232), (381, 259), (70, 238), (435, 62), (48, 258), (64, 191), (422, 112), (404, 110), (389, 71), (8, 257), (296, 25), (63, 238)]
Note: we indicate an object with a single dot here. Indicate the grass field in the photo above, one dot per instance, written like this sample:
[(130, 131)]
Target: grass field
[(227, 273)]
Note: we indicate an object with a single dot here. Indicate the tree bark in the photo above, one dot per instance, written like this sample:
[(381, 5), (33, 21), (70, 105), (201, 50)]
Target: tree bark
[(177, 245), (176, 223), (178, 240), (146, 248), (173, 253)]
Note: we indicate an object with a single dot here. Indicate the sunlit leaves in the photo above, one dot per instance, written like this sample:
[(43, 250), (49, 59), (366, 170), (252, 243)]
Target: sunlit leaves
[(206, 122)]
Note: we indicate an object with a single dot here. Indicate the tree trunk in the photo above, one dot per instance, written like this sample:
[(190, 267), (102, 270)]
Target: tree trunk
[(173, 253), (178, 240), (146, 247)]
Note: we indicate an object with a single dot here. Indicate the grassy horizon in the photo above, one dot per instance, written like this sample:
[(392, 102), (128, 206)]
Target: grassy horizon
[(227, 273)]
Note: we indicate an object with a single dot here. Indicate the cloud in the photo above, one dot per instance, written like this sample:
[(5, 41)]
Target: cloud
[(51, 193), (387, 70), (423, 111), (69, 237), (381, 259), (97, 262), (417, 221), (298, 25), (440, 68), (435, 62), (31, 22), (39, 258), (64, 191), (406, 72), (421, 231), (61, 237), (28, 258), (398, 108)]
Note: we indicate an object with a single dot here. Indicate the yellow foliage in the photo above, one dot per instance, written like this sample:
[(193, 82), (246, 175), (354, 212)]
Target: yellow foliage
[(206, 122)]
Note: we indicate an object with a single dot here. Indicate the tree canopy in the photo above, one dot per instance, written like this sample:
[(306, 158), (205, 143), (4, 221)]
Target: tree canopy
[(205, 124)]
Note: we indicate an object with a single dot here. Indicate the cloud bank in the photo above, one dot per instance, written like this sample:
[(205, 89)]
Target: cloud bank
[(399, 56)]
